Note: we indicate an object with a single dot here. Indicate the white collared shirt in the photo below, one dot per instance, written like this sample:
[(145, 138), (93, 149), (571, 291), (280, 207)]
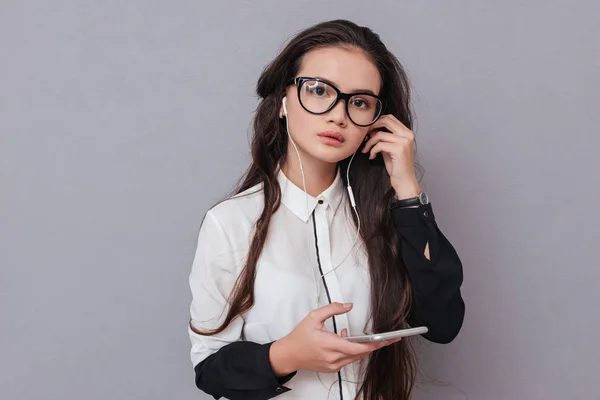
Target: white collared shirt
[(284, 288)]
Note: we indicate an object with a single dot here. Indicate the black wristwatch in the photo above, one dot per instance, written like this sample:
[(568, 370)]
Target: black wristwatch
[(420, 200)]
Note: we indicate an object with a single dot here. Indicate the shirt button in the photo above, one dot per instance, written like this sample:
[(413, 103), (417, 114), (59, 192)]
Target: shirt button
[(426, 214), (320, 201), (279, 389)]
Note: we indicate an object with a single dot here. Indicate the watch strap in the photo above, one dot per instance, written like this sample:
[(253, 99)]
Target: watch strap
[(411, 202)]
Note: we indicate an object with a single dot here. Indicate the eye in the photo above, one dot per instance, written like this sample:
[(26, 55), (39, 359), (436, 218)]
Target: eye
[(360, 103), (317, 89)]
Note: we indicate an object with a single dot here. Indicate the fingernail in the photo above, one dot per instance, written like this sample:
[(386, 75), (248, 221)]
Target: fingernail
[(347, 305)]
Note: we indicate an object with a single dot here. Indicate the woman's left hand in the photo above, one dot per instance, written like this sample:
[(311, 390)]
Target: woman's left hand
[(398, 150)]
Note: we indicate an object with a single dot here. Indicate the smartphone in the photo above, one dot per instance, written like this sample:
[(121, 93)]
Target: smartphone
[(379, 337)]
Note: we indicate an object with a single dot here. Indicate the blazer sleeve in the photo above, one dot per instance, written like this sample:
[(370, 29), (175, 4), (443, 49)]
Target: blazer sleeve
[(225, 365), (436, 282)]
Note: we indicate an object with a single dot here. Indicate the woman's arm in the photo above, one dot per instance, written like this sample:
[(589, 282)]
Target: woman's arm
[(240, 370), (224, 364), (436, 280)]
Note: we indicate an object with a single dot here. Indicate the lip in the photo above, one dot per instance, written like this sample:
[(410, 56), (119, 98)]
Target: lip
[(332, 134)]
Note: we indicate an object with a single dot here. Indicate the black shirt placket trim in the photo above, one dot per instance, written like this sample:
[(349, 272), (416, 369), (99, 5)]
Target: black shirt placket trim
[(327, 292)]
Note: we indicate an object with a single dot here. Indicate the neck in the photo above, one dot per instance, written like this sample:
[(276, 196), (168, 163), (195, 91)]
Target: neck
[(318, 174)]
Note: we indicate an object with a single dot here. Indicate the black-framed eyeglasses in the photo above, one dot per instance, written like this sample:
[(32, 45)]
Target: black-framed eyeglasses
[(318, 96)]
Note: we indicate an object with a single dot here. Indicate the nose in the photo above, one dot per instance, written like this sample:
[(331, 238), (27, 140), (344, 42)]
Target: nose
[(338, 114)]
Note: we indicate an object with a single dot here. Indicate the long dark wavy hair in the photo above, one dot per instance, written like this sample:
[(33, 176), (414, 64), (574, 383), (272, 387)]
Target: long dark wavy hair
[(391, 370)]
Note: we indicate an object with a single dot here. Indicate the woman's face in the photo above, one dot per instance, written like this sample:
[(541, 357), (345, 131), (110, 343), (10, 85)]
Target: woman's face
[(348, 70)]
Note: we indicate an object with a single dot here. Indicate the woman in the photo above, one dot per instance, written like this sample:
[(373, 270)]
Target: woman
[(295, 259)]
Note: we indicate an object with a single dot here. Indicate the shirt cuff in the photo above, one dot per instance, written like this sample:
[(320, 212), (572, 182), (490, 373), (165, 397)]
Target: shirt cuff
[(417, 226), (263, 363), (413, 216)]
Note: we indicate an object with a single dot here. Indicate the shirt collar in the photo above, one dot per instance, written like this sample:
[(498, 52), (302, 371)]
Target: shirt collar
[(294, 197)]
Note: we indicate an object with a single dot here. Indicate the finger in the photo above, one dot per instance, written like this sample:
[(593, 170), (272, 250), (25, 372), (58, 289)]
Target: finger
[(382, 146), (344, 332), (405, 134), (388, 342), (396, 120), (321, 314), (352, 349), (394, 125), (390, 122), (380, 136)]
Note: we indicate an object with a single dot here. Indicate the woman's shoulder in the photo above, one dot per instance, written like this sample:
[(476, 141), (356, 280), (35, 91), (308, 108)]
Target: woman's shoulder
[(240, 209)]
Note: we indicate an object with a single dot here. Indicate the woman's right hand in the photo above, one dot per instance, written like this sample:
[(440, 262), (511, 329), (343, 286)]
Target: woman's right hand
[(311, 347)]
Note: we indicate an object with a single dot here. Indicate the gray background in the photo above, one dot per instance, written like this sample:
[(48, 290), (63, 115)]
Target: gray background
[(122, 121)]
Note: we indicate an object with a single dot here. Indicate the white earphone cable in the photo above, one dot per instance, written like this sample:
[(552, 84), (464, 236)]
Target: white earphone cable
[(312, 273)]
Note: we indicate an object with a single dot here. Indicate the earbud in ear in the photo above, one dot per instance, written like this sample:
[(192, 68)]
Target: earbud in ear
[(284, 107)]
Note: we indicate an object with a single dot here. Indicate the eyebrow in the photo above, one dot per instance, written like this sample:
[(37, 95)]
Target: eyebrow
[(353, 91)]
